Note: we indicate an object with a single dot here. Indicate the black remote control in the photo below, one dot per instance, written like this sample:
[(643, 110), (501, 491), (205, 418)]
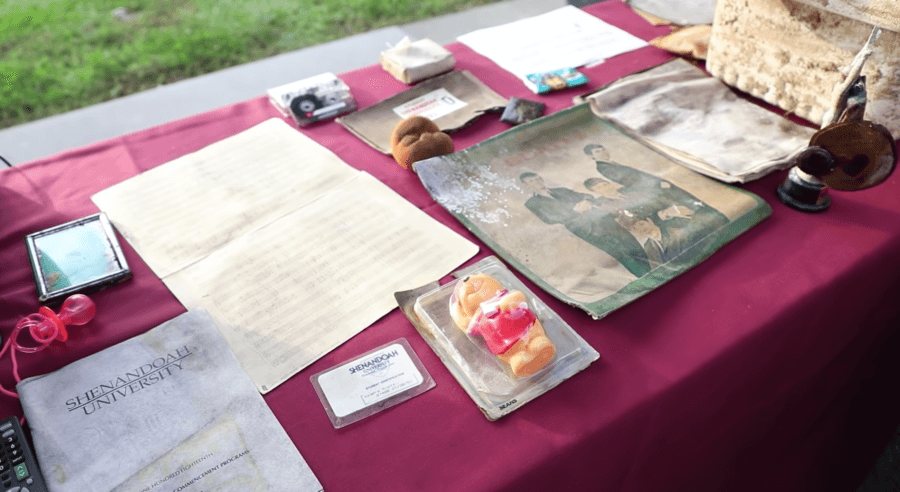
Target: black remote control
[(19, 470)]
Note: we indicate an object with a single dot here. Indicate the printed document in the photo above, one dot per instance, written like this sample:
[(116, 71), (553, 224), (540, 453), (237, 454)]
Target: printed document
[(290, 249), (167, 410), (563, 38)]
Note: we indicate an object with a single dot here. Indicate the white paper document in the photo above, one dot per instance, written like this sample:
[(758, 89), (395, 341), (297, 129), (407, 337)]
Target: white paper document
[(432, 105), (290, 250), (562, 38), (167, 410)]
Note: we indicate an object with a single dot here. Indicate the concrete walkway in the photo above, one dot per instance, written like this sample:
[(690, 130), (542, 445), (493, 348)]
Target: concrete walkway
[(49, 136)]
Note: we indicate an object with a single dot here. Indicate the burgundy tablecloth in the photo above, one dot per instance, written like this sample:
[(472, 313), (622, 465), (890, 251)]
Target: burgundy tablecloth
[(759, 369)]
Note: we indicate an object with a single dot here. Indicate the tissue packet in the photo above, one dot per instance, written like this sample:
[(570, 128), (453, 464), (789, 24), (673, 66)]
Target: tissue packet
[(412, 61)]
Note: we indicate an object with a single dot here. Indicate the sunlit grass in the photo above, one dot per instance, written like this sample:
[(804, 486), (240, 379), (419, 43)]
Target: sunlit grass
[(56, 56)]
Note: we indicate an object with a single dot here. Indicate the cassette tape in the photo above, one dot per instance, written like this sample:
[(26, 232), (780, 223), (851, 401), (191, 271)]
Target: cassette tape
[(313, 99)]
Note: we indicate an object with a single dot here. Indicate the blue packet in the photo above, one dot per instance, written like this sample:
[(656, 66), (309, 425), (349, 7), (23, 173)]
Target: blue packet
[(541, 83)]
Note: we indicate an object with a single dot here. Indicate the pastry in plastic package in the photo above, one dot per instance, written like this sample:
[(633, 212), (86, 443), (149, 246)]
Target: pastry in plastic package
[(501, 342)]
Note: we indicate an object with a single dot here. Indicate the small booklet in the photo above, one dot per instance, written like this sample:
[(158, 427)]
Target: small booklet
[(167, 410)]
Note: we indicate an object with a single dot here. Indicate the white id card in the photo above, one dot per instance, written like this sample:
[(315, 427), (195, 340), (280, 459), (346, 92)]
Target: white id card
[(372, 382), (433, 105)]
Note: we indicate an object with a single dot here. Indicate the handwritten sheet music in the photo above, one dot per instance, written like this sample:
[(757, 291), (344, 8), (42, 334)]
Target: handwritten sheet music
[(561, 38), (182, 211), (308, 255)]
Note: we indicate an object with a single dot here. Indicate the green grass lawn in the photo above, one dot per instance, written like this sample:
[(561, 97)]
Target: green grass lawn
[(60, 55)]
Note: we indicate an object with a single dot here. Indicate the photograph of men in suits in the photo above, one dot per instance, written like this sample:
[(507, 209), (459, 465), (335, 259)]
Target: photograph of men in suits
[(596, 226), (580, 215), (641, 220), (654, 204)]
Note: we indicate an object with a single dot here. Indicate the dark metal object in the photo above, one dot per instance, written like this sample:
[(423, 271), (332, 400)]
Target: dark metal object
[(802, 193), (521, 110), (864, 154), (846, 156)]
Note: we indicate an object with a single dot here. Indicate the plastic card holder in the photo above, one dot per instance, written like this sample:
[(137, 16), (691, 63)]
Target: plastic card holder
[(79, 256), (372, 382), (490, 383)]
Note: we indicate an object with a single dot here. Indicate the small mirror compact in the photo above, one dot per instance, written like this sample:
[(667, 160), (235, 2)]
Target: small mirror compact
[(79, 256)]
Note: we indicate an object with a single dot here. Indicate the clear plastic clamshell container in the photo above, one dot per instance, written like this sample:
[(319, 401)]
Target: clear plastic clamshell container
[(491, 382)]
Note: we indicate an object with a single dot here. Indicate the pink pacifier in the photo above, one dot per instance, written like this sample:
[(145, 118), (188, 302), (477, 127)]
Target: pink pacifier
[(46, 326)]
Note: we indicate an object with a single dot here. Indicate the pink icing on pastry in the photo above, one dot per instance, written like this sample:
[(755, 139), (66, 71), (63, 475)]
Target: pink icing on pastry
[(480, 305), (501, 329)]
